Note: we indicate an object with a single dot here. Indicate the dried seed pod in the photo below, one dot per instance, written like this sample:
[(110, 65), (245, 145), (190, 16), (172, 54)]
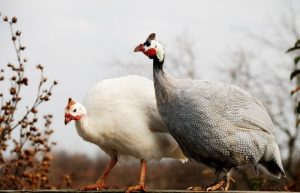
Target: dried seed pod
[(14, 19), (18, 33), (25, 81), (12, 91), (39, 66), (34, 110), (33, 128)]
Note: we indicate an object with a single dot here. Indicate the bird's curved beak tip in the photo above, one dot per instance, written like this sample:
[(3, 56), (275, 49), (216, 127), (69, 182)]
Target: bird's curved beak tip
[(67, 119), (139, 48)]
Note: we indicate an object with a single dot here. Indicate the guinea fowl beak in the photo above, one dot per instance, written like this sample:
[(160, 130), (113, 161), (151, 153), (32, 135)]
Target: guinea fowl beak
[(139, 48), (68, 118), (149, 52)]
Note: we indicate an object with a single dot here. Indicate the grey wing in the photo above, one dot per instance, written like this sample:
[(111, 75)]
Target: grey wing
[(232, 105), (254, 115), (251, 112)]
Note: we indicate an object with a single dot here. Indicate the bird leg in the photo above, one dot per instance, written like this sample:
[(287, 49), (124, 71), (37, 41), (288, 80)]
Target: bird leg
[(100, 184), (220, 185), (225, 181), (216, 186), (228, 179), (217, 175), (215, 180), (141, 186)]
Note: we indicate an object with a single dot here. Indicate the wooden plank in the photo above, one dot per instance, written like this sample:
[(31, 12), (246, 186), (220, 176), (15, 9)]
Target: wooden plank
[(122, 191)]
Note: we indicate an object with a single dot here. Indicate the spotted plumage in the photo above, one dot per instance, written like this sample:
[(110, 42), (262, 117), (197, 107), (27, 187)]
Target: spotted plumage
[(214, 123)]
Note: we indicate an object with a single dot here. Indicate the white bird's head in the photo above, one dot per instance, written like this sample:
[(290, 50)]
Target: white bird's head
[(152, 48), (74, 111)]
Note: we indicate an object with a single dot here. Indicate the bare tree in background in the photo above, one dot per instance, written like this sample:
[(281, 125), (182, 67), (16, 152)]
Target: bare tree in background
[(184, 62)]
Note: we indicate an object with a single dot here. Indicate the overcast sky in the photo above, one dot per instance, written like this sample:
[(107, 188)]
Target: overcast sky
[(77, 41)]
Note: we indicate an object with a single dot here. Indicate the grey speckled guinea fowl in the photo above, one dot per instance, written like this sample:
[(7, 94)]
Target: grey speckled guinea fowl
[(217, 124)]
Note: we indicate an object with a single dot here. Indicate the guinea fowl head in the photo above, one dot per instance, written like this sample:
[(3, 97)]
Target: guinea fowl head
[(74, 111), (151, 48)]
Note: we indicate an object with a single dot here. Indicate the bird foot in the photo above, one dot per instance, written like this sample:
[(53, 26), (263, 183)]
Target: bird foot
[(217, 186), (140, 187), (97, 186), (231, 179), (198, 188), (222, 185)]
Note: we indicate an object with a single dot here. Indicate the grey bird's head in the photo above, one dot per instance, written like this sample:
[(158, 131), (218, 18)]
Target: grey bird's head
[(151, 48)]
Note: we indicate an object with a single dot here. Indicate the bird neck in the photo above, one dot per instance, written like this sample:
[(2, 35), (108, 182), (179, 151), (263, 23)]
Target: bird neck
[(157, 65), (158, 74), (82, 122), (84, 128), (88, 130), (163, 83)]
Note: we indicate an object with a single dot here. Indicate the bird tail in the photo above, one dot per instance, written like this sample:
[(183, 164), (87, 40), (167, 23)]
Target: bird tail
[(272, 161), (274, 168)]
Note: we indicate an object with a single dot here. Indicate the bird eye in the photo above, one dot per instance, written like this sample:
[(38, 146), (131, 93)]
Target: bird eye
[(74, 110), (147, 43)]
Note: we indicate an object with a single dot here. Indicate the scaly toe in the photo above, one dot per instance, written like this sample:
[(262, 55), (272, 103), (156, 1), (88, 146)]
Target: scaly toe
[(101, 186), (217, 186), (198, 188), (135, 188)]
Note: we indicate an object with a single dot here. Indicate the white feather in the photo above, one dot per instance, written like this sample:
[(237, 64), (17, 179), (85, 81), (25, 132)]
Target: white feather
[(122, 119)]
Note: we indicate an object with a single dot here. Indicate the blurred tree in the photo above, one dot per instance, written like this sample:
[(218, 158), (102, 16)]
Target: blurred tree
[(295, 92), (24, 145), (184, 62)]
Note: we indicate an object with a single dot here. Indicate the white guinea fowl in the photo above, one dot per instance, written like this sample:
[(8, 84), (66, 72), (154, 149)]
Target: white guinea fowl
[(121, 117)]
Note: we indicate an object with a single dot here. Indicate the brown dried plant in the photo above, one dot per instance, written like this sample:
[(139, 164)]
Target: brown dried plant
[(24, 141)]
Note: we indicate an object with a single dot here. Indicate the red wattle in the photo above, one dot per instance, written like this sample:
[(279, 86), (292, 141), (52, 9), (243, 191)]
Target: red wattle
[(71, 117), (76, 118), (150, 52)]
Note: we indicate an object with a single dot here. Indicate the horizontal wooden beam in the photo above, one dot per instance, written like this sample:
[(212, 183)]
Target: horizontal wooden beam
[(120, 191)]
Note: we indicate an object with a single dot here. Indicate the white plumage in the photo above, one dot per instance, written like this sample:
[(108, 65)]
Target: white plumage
[(121, 117)]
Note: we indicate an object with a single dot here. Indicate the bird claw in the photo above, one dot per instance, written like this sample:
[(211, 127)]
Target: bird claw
[(140, 187), (217, 186), (198, 188), (99, 186)]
